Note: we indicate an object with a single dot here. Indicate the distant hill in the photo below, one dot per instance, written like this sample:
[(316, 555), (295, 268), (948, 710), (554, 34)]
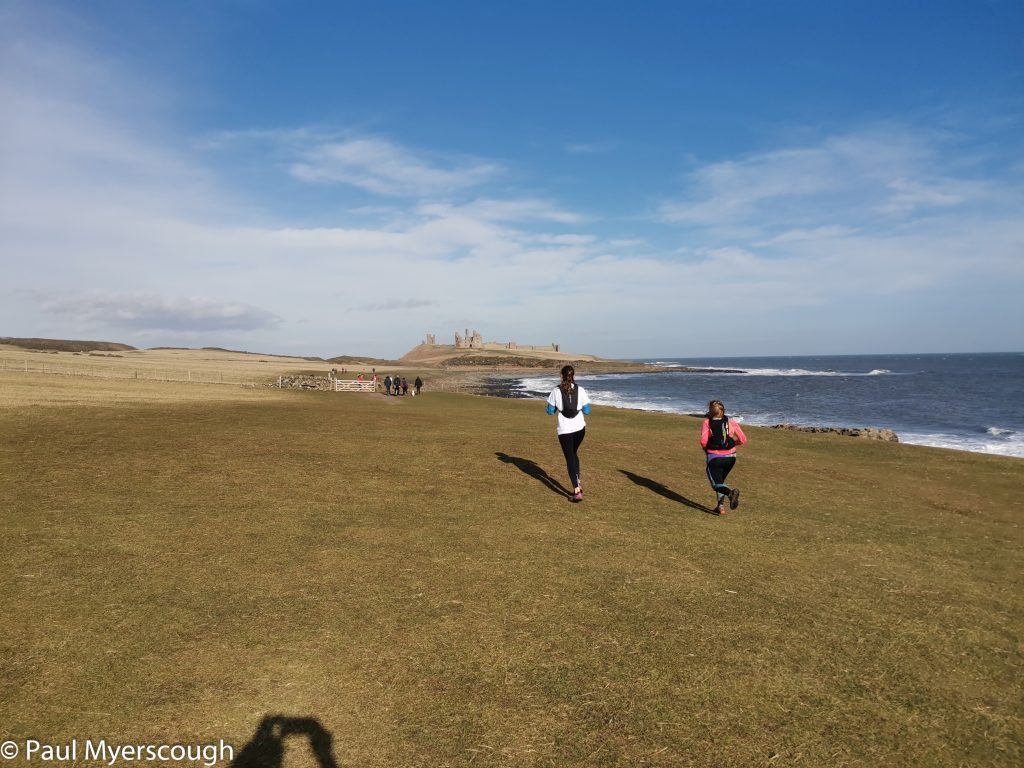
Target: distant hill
[(66, 345), (313, 359), (356, 360), (446, 354)]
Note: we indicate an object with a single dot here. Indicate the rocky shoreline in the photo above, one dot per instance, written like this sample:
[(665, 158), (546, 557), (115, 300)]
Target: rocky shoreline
[(867, 433), (503, 386)]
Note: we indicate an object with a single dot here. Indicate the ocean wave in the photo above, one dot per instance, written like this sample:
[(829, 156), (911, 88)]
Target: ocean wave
[(1006, 445), (550, 382), (538, 384), (615, 400), (696, 369), (792, 372), (999, 432)]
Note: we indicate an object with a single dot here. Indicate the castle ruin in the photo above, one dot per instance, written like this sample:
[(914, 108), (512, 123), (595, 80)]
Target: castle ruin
[(475, 340)]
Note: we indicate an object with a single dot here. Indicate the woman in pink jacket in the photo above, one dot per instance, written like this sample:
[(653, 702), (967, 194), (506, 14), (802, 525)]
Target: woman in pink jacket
[(719, 437)]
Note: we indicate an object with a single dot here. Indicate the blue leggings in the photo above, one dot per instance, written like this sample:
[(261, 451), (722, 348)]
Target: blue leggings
[(719, 468)]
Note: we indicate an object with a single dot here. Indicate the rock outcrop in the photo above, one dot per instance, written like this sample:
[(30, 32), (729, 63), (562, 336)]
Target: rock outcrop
[(303, 381), (868, 433)]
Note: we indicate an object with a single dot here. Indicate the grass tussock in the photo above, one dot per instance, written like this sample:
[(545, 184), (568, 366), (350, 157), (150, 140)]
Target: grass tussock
[(409, 573)]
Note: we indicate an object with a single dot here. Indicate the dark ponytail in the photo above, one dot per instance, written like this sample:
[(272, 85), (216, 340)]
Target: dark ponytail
[(568, 377)]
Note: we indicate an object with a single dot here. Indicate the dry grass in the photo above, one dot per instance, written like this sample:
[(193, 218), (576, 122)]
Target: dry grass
[(46, 390), (403, 571), (185, 365)]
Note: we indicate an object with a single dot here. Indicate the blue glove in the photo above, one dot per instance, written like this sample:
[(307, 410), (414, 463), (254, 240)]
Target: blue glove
[(586, 409), (551, 409)]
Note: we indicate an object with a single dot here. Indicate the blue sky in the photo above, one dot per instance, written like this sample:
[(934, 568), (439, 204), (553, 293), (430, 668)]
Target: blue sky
[(656, 179)]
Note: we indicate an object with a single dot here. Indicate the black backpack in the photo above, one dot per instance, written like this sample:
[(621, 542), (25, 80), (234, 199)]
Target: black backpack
[(720, 439), (570, 400)]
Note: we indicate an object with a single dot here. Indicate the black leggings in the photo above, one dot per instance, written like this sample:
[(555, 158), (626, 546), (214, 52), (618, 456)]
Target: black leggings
[(570, 444), (718, 470)]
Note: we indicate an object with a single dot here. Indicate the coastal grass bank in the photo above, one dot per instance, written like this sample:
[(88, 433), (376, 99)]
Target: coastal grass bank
[(401, 582)]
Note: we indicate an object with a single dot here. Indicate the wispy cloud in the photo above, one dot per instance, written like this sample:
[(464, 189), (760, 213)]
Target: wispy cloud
[(393, 304), (385, 168), (882, 176), (806, 235), (512, 210), (591, 148), (157, 313)]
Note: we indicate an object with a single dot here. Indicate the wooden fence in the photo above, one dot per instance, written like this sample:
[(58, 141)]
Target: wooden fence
[(350, 385)]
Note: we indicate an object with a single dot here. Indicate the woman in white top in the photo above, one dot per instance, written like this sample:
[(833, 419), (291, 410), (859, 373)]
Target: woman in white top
[(569, 400)]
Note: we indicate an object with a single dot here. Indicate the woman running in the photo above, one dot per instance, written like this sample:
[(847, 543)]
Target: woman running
[(569, 400), (719, 437)]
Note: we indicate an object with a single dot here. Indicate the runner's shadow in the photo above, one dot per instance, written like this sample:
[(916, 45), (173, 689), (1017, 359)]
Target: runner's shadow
[(266, 747), (532, 469), (661, 490)]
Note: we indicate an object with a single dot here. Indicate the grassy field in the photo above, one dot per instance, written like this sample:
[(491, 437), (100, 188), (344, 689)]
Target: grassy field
[(181, 561), (211, 366)]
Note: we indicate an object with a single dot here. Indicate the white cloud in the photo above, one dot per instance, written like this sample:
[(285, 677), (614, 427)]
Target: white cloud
[(385, 168), (908, 195), (157, 313), (514, 210), (803, 235), (592, 148), (894, 172)]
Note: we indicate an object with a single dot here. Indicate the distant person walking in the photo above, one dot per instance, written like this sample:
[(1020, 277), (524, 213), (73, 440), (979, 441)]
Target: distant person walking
[(405, 386), (387, 384), (417, 385), (719, 437), (570, 401)]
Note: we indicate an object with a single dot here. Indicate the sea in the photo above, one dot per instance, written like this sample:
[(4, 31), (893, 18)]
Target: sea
[(967, 402)]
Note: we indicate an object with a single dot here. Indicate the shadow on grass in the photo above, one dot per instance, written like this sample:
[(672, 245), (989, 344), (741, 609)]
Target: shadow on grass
[(266, 747), (661, 490), (532, 469)]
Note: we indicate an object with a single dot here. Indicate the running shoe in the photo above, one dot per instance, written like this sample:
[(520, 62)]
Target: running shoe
[(578, 496), (734, 498), (721, 509)]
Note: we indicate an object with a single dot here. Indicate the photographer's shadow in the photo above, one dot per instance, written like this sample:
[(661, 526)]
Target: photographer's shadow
[(534, 470), (266, 748), (668, 493)]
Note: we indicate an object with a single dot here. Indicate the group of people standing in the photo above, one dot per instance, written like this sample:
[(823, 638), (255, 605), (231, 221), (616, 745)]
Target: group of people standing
[(719, 438), (399, 385)]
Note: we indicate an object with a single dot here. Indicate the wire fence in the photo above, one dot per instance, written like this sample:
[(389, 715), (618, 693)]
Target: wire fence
[(128, 371)]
